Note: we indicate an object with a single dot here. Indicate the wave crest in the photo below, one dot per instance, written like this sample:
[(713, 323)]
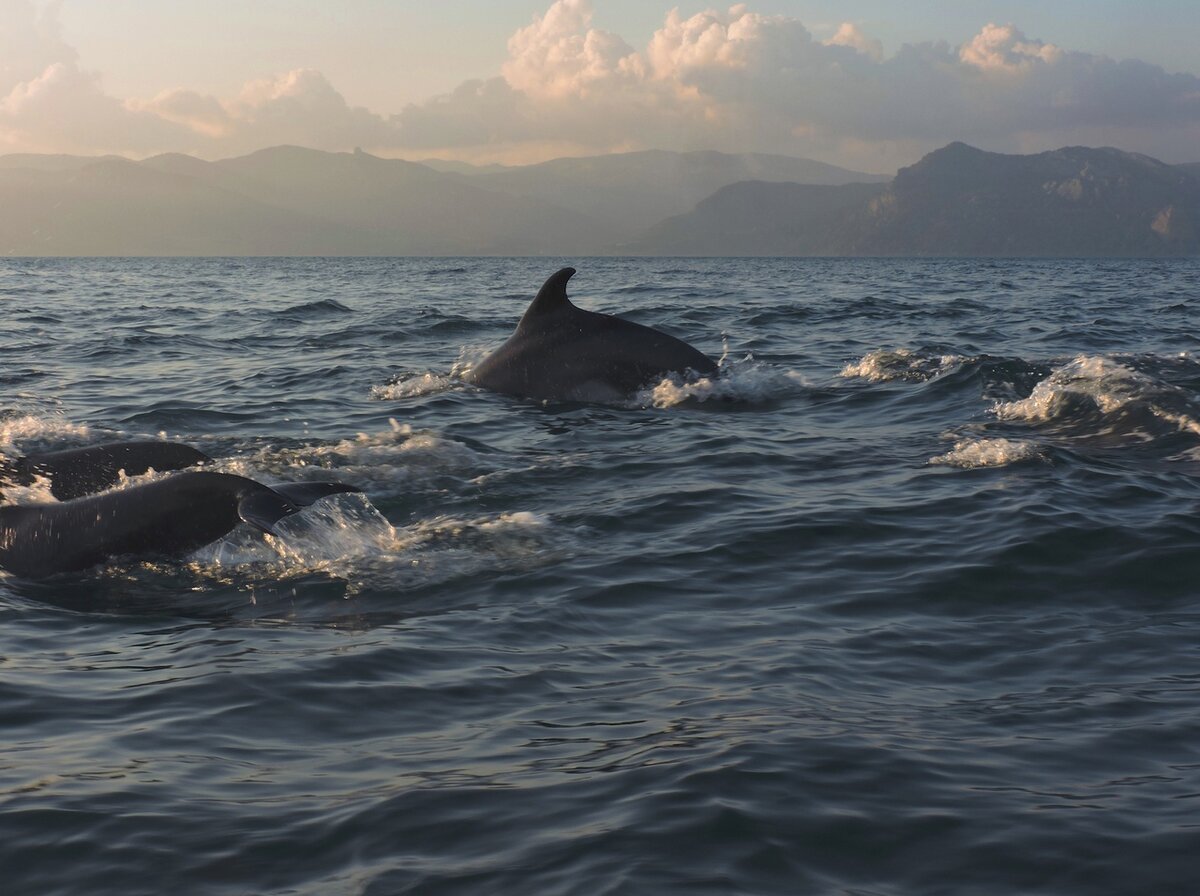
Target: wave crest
[(1090, 385), (901, 364), (969, 454)]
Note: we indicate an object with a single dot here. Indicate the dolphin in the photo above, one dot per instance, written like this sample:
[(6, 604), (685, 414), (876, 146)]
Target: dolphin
[(559, 351), (171, 517), (75, 472)]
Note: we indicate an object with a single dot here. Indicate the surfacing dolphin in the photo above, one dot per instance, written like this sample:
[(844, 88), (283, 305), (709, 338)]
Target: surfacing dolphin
[(169, 517), (559, 351), (75, 472)]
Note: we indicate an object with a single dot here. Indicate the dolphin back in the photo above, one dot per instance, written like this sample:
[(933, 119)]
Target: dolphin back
[(76, 472), (168, 517), (559, 351)]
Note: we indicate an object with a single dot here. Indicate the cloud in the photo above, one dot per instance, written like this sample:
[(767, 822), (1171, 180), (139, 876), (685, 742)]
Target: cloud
[(1002, 48), (63, 109), (48, 103), (203, 115), (30, 42), (849, 35), (301, 107), (298, 107), (560, 55), (737, 79), (734, 79)]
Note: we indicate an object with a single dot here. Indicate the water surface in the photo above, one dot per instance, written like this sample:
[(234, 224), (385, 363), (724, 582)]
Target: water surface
[(903, 603)]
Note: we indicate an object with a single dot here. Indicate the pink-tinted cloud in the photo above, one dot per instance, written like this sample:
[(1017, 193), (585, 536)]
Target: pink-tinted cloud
[(732, 80)]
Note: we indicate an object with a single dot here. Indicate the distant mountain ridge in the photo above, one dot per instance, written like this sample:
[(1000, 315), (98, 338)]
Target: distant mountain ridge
[(292, 201), (959, 200), (287, 200), (635, 190)]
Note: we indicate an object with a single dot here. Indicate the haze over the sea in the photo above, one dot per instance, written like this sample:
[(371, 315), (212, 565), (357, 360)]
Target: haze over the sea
[(870, 86)]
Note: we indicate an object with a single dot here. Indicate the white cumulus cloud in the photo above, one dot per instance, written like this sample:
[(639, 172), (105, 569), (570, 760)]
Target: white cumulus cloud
[(731, 79), (738, 79), (850, 35), (1003, 48)]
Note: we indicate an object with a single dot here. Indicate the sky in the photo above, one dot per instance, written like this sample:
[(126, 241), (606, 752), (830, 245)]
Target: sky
[(870, 85)]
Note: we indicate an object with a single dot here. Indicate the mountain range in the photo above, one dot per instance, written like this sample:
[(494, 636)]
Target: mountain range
[(957, 201), (292, 201)]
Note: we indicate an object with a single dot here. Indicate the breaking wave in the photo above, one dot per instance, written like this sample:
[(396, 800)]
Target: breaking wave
[(1106, 396), (904, 365), (970, 454)]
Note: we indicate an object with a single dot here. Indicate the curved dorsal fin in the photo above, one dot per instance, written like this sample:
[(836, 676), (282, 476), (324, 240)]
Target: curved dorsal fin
[(551, 297)]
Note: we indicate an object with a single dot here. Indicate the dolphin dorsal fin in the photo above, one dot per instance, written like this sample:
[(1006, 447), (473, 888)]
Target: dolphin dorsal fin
[(551, 297)]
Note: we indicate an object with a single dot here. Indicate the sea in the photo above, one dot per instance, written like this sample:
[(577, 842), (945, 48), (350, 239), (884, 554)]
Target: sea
[(905, 601)]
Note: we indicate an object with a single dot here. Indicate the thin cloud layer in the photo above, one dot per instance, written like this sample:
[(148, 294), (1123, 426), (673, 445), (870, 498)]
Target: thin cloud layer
[(734, 80)]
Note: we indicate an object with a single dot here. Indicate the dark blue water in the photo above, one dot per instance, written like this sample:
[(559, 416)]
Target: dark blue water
[(907, 602)]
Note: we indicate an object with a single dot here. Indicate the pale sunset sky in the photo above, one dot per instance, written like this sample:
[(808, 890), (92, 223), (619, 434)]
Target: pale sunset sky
[(869, 85)]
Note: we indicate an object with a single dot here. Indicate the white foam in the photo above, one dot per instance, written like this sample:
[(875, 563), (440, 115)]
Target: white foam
[(973, 453), (521, 519), (382, 462), (347, 538), (744, 381), (36, 492), (889, 365), (38, 428), (414, 386)]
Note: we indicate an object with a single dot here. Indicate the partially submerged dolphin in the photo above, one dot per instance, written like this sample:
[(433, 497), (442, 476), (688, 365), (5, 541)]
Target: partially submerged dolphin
[(171, 517), (559, 351), (75, 472)]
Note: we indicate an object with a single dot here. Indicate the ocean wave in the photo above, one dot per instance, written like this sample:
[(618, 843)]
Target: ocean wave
[(970, 454), (901, 364), (319, 308), (1091, 386)]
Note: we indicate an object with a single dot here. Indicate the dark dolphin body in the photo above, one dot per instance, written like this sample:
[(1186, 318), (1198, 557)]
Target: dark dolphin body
[(559, 351), (76, 472), (172, 517)]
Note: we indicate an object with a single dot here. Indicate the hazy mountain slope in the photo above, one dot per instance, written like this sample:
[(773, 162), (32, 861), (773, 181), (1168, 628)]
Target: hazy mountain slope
[(1072, 201), (122, 208), (38, 162), (636, 190), (1192, 168), (757, 218), (959, 201), (415, 210), (286, 200), (452, 166)]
